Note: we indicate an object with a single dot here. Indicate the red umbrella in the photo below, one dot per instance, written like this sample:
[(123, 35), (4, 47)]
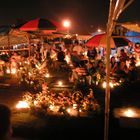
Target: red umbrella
[(41, 24), (100, 40)]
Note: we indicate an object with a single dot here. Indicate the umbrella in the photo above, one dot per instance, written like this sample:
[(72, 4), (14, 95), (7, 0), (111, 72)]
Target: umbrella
[(133, 36), (40, 24), (100, 40)]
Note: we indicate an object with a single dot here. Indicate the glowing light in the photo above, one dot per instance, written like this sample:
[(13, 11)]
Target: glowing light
[(67, 58), (29, 73), (74, 106), (60, 83), (66, 23), (13, 71), (129, 113), (47, 75), (110, 84), (22, 104), (104, 85), (51, 107), (138, 63), (99, 30), (54, 108), (8, 71), (68, 110), (35, 103), (72, 112)]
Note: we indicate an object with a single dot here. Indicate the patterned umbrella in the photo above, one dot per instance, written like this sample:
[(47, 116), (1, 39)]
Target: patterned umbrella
[(41, 25), (100, 41)]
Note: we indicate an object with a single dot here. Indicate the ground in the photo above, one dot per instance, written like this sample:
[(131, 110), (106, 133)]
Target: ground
[(29, 126)]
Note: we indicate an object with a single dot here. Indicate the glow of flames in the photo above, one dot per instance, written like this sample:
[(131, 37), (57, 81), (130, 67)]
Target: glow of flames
[(22, 104), (110, 84)]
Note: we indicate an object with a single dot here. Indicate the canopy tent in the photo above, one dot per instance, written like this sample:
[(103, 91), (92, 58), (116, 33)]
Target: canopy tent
[(131, 26), (13, 37), (83, 37)]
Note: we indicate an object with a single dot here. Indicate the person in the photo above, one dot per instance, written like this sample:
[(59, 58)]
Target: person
[(113, 65), (123, 55), (5, 122), (61, 55)]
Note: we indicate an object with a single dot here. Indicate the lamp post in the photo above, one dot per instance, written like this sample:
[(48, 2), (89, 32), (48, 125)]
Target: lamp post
[(66, 24)]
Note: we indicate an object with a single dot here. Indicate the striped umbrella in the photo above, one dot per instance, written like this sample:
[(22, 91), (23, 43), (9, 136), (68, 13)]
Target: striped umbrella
[(101, 39), (39, 24)]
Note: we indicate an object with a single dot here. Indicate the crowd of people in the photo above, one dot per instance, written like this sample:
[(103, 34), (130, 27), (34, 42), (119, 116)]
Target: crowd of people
[(74, 58)]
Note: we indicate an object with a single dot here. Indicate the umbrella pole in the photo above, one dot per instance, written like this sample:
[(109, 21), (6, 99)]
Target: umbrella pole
[(29, 48), (8, 37)]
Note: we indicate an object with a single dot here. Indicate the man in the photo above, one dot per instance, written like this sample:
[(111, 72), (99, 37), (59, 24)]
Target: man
[(5, 123)]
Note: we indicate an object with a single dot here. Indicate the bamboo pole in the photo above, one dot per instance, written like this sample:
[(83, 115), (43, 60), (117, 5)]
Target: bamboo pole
[(116, 8), (107, 91), (107, 94)]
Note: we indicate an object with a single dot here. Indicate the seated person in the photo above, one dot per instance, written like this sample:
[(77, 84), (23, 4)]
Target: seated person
[(122, 70)]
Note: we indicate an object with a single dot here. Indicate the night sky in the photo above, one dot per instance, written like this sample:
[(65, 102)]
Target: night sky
[(85, 15)]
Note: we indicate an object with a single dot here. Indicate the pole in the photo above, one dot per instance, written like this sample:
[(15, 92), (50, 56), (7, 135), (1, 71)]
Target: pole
[(107, 94), (107, 91), (8, 37), (116, 8), (29, 44)]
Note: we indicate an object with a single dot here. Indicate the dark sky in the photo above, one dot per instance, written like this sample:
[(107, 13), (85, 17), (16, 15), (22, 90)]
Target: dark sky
[(85, 15)]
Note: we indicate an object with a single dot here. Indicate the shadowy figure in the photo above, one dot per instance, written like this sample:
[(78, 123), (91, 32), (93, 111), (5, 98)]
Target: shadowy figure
[(5, 123)]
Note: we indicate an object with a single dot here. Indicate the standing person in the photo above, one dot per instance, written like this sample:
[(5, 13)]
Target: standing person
[(5, 123)]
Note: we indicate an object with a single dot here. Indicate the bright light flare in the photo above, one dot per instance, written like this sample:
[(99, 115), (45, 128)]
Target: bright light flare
[(47, 75), (99, 30), (13, 71), (8, 71), (72, 112), (129, 113), (74, 106), (22, 104), (66, 23), (110, 84), (54, 108), (60, 83), (138, 63)]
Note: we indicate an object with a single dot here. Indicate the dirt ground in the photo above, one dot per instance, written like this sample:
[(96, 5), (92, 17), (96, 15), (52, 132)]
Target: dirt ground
[(31, 127)]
